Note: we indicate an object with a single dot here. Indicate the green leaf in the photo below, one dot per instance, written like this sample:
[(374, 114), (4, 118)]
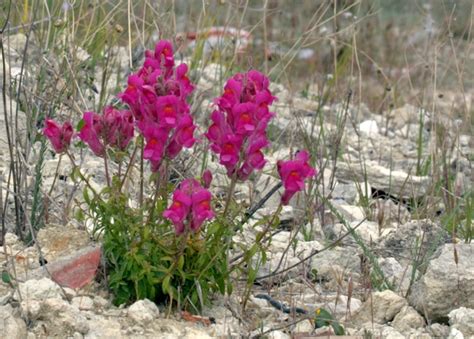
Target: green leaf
[(85, 194), (181, 262), (167, 258), (80, 125), (165, 286), (79, 215), (338, 329), (76, 174), (322, 318), (6, 277)]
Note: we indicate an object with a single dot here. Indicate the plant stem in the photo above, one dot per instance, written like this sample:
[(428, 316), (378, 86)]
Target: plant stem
[(106, 166), (259, 205), (140, 198), (230, 193), (83, 178), (130, 164), (55, 175), (269, 225), (7, 128), (155, 198)]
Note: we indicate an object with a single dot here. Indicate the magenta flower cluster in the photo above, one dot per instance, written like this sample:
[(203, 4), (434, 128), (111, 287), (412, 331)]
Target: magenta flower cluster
[(156, 95), (114, 128), (238, 130), (293, 173), (191, 204), (59, 135)]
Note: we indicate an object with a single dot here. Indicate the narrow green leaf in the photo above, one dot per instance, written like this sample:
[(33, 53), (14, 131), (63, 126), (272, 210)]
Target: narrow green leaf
[(6, 277)]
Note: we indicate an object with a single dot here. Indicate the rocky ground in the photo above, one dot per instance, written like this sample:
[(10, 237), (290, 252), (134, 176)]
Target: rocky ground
[(371, 189)]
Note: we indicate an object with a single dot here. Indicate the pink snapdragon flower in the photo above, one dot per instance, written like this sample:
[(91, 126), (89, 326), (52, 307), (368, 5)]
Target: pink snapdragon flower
[(59, 135), (238, 130), (293, 173), (119, 126), (167, 109), (91, 132), (206, 178), (157, 96), (254, 158), (131, 95), (179, 210), (183, 136), (164, 53), (155, 138), (191, 206), (114, 128)]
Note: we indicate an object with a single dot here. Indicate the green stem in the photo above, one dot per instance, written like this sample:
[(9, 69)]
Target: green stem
[(56, 174), (129, 166), (155, 198), (106, 166), (230, 193), (140, 198), (259, 240), (83, 178)]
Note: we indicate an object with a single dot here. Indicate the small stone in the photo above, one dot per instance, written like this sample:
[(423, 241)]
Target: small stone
[(447, 285), (38, 289), (395, 273), (104, 328), (65, 315), (396, 182), (11, 326), (306, 248), (334, 262), (381, 308), (83, 303), (304, 326), (462, 319), (278, 335), (438, 331), (70, 293), (143, 311), (404, 115), (369, 128), (422, 234), (287, 213), (369, 231), (196, 334), (313, 230), (325, 331), (371, 329), (136, 330), (389, 332), (101, 302), (464, 140), (454, 333), (387, 212), (275, 262), (5, 298), (349, 212), (408, 319), (10, 239), (257, 302), (31, 309), (339, 305), (348, 192)]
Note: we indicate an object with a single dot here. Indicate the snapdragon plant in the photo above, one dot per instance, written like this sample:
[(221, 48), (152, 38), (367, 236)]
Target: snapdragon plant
[(173, 245)]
